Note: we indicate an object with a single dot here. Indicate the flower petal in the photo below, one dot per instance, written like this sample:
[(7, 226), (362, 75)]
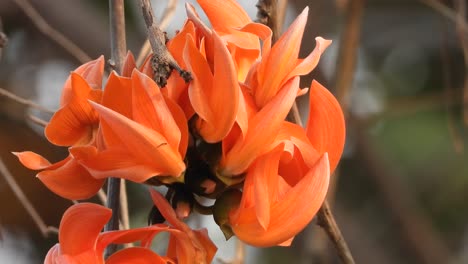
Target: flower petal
[(91, 71), (70, 180), (114, 162), (150, 109), (225, 85), (75, 123), (291, 213), (305, 66), (262, 130), (136, 255), (281, 60), (129, 65), (326, 124), (148, 146), (32, 160), (80, 227)]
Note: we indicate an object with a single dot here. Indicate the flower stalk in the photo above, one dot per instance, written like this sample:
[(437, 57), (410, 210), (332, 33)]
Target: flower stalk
[(118, 49)]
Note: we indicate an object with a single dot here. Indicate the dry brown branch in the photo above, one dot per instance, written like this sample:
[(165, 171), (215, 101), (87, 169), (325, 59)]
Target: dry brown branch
[(118, 51), (50, 32), (167, 16), (27, 102), (43, 227), (326, 220), (102, 196), (37, 120), (124, 205), (162, 61)]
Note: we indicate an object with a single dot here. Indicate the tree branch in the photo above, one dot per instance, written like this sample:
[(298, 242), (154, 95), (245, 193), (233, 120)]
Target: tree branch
[(118, 48), (162, 62), (326, 220)]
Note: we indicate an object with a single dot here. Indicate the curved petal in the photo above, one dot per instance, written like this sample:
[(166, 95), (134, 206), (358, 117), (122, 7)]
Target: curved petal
[(70, 180), (225, 85), (53, 255), (91, 71), (305, 66), (150, 109), (118, 94), (281, 60), (262, 130), (226, 17), (32, 160), (136, 255), (80, 227), (146, 145), (76, 122), (326, 124), (129, 65), (202, 82), (114, 162), (291, 213)]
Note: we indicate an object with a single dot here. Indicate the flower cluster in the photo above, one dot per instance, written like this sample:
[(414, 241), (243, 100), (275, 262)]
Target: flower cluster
[(222, 136)]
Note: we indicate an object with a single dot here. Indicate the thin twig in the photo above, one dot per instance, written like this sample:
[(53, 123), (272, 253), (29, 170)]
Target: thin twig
[(167, 16), (445, 11), (118, 49), (43, 227), (326, 220), (162, 61), (50, 32), (124, 205), (38, 121), (102, 196), (27, 102)]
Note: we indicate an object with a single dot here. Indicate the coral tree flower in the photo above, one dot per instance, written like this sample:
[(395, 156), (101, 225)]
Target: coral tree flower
[(144, 133), (81, 240), (74, 124)]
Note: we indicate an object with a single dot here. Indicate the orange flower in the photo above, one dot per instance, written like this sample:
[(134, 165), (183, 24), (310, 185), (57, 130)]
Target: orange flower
[(263, 127), (280, 63), (228, 18), (209, 85), (144, 133), (75, 123), (282, 192), (80, 240)]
